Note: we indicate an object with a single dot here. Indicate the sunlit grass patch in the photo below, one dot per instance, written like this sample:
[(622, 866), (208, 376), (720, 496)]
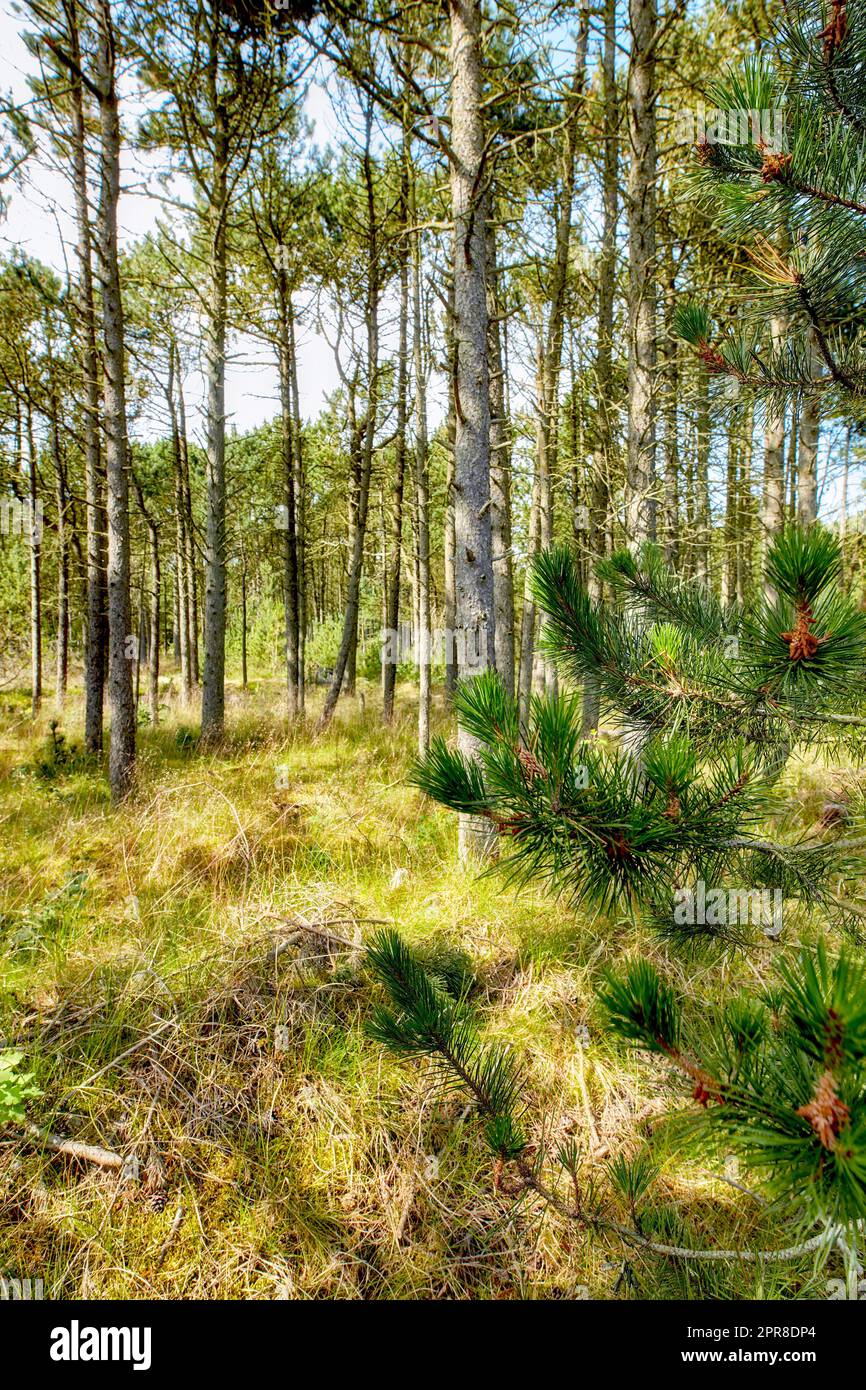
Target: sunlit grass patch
[(186, 978)]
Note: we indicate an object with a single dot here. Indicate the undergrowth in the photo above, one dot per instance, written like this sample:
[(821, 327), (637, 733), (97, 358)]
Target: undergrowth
[(185, 981)]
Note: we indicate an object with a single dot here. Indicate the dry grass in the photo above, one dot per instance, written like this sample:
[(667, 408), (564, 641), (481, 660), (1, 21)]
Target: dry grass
[(186, 979)]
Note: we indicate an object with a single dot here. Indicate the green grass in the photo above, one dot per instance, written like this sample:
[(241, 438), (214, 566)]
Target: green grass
[(157, 972)]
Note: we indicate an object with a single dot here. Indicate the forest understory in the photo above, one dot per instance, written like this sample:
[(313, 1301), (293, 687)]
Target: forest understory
[(186, 978), (433, 663)]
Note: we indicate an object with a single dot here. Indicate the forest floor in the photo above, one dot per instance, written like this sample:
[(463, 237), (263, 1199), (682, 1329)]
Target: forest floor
[(185, 977)]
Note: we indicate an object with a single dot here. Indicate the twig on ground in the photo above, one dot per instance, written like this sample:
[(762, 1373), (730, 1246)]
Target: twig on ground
[(87, 1153), (177, 1222)]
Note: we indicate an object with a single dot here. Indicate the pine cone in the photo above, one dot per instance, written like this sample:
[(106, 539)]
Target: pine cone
[(835, 811), (826, 1113)]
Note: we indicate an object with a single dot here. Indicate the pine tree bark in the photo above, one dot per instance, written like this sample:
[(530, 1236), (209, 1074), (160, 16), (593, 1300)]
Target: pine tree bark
[(671, 508), (155, 617), (191, 576), (149, 620), (640, 497), (121, 762), (62, 650), (300, 513), (792, 462), (450, 537), (290, 532), (549, 362), (348, 640), (422, 494), (773, 492), (528, 615), (843, 498), (602, 466), (182, 627), (807, 470), (773, 499), (61, 492), (702, 478), (213, 679), (500, 476), (551, 359), (474, 543), (35, 568), (729, 559), (394, 541), (745, 508), (176, 615), (96, 629)]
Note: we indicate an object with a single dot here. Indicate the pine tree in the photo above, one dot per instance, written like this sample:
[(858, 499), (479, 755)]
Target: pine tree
[(783, 168), (717, 693)]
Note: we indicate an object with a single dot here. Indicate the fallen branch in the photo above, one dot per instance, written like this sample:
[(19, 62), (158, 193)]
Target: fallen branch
[(681, 1252), (176, 1224), (87, 1153)]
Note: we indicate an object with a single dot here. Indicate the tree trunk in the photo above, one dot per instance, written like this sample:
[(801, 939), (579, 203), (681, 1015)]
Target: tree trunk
[(422, 496), (182, 635), (393, 543), (745, 505), (500, 477), (243, 623), (843, 499), (62, 665), (474, 544), (153, 651), (213, 682), (702, 478), (729, 559), (191, 580), (449, 540), (62, 496), (640, 500), (121, 763), (300, 513), (602, 467), (96, 621), (35, 571), (348, 640), (290, 533), (792, 460), (176, 617), (773, 504), (549, 362), (141, 641), (528, 615), (807, 470), (671, 420)]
